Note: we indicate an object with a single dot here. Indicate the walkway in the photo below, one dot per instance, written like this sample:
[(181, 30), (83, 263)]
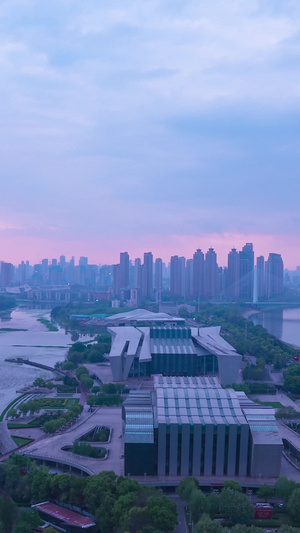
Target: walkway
[(50, 448)]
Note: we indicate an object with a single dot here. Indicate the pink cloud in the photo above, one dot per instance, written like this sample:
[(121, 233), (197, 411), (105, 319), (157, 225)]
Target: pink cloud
[(106, 251)]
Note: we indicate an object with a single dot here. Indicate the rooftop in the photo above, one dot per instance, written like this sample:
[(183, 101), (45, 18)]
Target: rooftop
[(65, 515)]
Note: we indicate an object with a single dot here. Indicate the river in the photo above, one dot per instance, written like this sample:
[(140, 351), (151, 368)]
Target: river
[(282, 323), (37, 344)]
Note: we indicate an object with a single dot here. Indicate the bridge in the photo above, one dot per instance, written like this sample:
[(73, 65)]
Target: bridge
[(21, 360)]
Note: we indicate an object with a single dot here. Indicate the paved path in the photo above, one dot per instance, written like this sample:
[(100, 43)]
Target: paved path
[(51, 447)]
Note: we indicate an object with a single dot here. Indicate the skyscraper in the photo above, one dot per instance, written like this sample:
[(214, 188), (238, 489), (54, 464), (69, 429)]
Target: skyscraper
[(274, 275), (210, 274), (198, 274), (7, 274), (147, 275), (158, 278), (233, 275), (246, 257), (124, 270), (260, 272), (177, 277)]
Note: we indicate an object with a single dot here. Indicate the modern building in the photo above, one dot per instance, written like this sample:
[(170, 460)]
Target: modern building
[(198, 274), (143, 351), (274, 275), (147, 275), (233, 275), (191, 426), (210, 274), (246, 260), (177, 276)]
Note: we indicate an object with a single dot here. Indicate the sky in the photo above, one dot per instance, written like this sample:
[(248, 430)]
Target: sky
[(161, 125)]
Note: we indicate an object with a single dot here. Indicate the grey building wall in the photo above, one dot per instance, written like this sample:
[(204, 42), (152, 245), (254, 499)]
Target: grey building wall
[(266, 460)]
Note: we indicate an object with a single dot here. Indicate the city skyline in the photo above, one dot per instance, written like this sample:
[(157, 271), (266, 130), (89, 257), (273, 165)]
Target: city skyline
[(131, 257), (163, 126)]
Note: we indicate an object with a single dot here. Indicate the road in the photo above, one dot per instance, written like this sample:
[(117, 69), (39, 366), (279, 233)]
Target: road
[(182, 525)]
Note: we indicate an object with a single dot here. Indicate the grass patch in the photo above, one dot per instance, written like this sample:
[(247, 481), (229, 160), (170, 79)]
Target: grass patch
[(21, 441), (275, 405), (56, 403), (36, 423), (11, 404), (13, 329), (38, 346), (49, 325), (86, 450)]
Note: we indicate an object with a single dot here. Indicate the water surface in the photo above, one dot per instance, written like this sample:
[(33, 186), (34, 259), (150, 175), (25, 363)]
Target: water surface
[(37, 344), (282, 323)]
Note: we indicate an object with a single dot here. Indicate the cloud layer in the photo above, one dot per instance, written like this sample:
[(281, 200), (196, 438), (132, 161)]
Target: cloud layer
[(148, 125)]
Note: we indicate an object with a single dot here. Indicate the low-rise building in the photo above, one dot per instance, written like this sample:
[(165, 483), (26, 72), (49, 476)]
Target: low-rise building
[(191, 426), (172, 350)]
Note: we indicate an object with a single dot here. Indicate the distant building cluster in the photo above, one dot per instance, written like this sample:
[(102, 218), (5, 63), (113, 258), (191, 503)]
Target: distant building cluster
[(133, 282)]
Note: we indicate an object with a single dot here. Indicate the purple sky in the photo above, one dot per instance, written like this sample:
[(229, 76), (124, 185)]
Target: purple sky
[(163, 126)]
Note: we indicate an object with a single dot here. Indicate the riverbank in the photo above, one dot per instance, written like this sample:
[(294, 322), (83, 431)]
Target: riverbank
[(27, 337)]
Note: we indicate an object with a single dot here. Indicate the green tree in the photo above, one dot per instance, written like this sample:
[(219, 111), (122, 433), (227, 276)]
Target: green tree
[(39, 382), (8, 513), (198, 504), (186, 487), (235, 505), (233, 485), (293, 506), (122, 507), (284, 487), (264, 492), (213, 504), (207, 525), (163, 512)]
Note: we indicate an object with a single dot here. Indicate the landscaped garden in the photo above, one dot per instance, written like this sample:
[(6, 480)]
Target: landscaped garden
[(97, 434), (86, 450)]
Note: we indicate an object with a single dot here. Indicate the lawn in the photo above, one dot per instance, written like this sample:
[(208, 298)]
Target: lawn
[(21, 441), (275, 405)]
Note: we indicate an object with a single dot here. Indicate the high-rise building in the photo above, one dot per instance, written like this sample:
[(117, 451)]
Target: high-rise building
[(246, 257), (233, 275), (83, 261), (177, 278), (22, 273), (124, 270), (260, 273), (137, 273), (198, 274), (7, 274), (189, 278), (147, 275), (116, 281), (210, 274), (274, 275), (158, 279)]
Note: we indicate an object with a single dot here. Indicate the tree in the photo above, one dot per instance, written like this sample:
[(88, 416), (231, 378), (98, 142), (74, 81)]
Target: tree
[(293, 506), (12, 413), (186, 486), (242, 528), (80, 371), (122, 507), (264, 492), (207, 525), (233, 485), (198, 504), (39, 382), (235, 505), (163, 512), (284, 487), (8, 513), (213, 504)]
